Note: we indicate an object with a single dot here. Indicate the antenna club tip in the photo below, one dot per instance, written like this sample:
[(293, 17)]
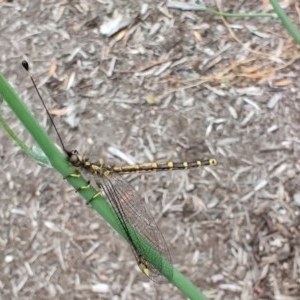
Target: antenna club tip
[(25, 65)]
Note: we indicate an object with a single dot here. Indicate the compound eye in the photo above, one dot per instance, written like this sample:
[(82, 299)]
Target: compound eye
[(73, 159)]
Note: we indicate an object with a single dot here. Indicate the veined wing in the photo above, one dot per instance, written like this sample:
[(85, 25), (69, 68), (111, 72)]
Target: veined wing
[(131, 210)]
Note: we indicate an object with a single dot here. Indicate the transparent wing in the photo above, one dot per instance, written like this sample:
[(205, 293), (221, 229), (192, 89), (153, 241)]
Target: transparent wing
[(132, 210)]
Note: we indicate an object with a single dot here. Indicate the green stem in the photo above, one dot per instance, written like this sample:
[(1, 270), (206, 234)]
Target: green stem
[(40, 158), (59, 162), (287, 23), (238, 15)]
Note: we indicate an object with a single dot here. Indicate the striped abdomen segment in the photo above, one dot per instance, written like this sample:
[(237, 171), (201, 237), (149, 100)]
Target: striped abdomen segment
[(155, 166)]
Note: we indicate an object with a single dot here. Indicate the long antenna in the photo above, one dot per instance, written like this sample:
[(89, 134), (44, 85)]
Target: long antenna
[(26, 67)]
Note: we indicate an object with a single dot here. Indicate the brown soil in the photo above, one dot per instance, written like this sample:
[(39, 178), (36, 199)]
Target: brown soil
[(173, 85)]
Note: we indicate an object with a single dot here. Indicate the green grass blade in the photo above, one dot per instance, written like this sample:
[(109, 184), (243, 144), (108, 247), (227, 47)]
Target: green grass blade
[(42, 159), (287, 23)]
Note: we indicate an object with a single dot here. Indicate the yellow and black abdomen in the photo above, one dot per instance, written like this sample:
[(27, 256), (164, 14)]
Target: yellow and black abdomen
[(156, 166)]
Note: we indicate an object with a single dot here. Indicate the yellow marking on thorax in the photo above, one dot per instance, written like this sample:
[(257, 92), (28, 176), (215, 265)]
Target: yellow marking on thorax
[(87, 163), (199, 163), (95, 168), (106, 173)]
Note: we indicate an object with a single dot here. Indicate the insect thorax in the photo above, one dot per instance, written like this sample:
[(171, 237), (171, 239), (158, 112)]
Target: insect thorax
[(81, 162)]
